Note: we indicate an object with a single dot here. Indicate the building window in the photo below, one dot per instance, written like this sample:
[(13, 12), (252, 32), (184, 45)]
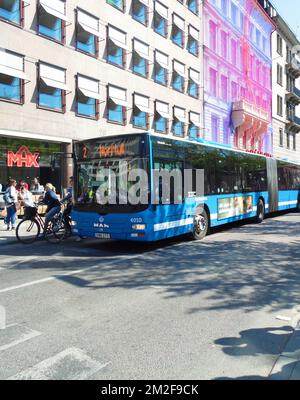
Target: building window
[(279, 106), (194, 82), (193, 41), (12, 77), (281, 137), (288, 143), (193, 6), (116, 47), (178, 30), (179, 120), (279, 44), (161, 68), (214, 128), (178, 78), (224, 88), (11, 10), (279, 74), (140, 11), (87, 33), (194, 125), (51, 87), (213, 82), (88, 97), (294, 143), (52, 19), (140, 63), (161, 15), (161, 118), (117, 105), (141, 111), (120, 4), (213, 36)]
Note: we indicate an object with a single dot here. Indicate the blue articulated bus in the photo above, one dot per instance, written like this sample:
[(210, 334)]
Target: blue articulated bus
[(237, 186)]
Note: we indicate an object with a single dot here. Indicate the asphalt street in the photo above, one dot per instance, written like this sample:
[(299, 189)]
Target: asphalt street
[(223, 308)]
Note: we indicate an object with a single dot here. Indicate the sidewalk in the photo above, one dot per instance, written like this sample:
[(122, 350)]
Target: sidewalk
[(6, 236), (287, 366)]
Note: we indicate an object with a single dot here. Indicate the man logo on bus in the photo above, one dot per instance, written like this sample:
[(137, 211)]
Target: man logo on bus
[(23, 158)]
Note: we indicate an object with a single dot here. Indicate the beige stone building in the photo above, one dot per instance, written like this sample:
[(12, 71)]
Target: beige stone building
[(79, 69)]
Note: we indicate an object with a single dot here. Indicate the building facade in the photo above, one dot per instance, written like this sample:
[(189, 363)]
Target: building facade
[(237, 74), (286, 88), (79, 69)]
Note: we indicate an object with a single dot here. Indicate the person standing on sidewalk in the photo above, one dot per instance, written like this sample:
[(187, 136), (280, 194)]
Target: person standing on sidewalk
[(11, 201)]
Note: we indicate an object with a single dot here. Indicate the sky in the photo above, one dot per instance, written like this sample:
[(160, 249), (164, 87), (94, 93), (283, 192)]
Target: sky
[(289, 10)]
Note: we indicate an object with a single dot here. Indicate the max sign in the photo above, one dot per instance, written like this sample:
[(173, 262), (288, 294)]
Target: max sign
[(23, 158)]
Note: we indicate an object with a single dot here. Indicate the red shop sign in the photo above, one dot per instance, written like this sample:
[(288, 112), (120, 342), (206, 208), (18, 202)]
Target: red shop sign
[(23, 158)]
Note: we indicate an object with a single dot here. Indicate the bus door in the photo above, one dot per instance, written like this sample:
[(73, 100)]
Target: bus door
[(272, 184)]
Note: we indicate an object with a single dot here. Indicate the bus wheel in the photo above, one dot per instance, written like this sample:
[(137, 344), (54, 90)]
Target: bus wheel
[(201, 225), (260, 216)]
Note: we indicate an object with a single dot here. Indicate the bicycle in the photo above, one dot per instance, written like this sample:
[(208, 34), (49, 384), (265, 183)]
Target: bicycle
[(30, 228)]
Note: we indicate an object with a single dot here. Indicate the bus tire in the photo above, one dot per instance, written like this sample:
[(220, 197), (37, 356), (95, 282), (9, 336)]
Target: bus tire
[(201, 225), (260, 215)]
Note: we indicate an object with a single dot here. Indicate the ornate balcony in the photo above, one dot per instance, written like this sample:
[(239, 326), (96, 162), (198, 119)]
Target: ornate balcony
[(243, 110), (293, 66), (251, 125), (293, 95), (293, 124)]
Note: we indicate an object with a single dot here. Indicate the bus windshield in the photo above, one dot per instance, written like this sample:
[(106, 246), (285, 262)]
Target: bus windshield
[(103, 171)]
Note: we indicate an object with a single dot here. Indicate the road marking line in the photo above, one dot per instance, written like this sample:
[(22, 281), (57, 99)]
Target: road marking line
[(70, 364), (52, 278), (30, 334)]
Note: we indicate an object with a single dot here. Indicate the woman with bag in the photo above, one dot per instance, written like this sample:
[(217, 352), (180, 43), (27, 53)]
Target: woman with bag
[(11, 201)]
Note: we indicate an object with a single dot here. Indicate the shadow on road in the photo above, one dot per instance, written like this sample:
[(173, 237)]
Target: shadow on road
[(254, 271), (268, 342)]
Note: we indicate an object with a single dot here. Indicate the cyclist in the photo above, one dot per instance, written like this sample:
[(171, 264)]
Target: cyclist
[(51, 200), (68, 199)]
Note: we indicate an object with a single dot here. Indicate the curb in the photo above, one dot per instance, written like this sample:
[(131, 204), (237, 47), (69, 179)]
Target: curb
[(287, 366)]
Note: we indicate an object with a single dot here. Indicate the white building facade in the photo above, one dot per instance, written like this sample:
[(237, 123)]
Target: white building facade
[(79, 69)]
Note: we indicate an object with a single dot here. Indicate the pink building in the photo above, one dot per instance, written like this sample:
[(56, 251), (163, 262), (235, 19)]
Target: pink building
[(237, 74)]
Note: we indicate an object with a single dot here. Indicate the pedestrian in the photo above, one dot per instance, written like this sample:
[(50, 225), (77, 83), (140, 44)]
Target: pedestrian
[(35, 186), (25, 196), (11, 201), (51, 200), (22, 183)]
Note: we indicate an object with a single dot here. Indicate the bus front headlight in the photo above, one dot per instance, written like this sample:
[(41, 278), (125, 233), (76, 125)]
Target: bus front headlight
[(139, 227), (73, 223)]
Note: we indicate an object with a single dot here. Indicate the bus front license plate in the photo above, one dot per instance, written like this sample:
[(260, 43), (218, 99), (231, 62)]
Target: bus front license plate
[(103, 235)]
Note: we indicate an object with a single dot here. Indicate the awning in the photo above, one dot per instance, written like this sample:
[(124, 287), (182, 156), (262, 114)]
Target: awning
[(161, 9), (194, 32), (179, 113), (118, 96), (142, 103), (195, 76), (195, 119), (12, 64), (117, 37), (53, 76), (162, 109), (179, 68), (141, 49), (88, 87), (179, 22), (162, 59), (88, 23), (55, 8)]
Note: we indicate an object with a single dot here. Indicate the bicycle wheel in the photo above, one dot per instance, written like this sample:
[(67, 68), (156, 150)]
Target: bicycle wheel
[(56, 230), (28, 231)]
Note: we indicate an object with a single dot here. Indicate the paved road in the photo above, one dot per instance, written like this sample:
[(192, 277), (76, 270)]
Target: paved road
[(218, 309)]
